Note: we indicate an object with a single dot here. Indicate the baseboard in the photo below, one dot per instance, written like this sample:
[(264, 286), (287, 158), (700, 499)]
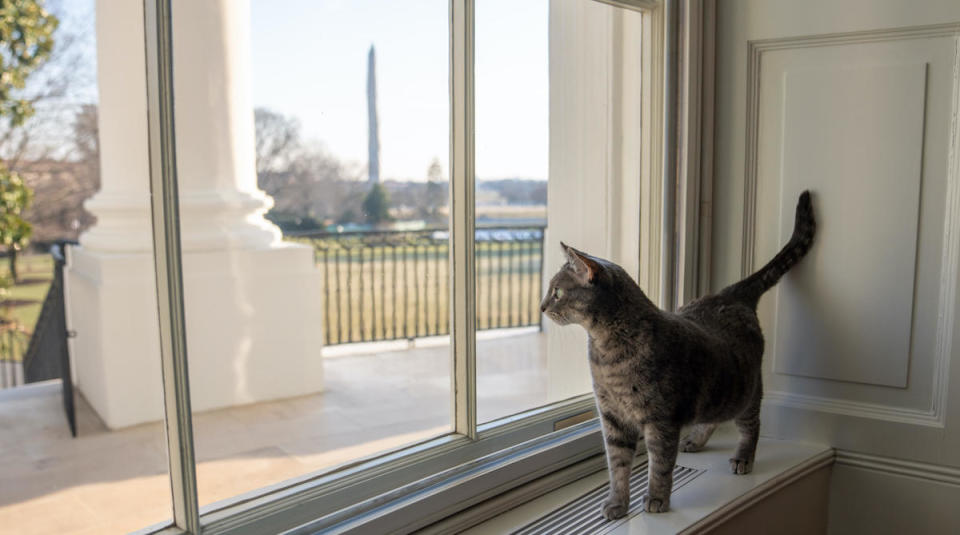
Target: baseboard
[(923, 471)]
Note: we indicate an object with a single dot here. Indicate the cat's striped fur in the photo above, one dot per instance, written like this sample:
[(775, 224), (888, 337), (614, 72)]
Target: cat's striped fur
[(655, 371)]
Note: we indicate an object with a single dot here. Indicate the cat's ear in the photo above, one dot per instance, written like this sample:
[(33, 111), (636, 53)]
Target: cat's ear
[(585, 268)]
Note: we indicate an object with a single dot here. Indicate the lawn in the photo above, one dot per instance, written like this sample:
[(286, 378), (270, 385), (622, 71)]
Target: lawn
[(26, 297), (22, 301)]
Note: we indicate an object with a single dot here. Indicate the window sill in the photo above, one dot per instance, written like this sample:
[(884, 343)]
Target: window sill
[(705, 502), (482, 496)]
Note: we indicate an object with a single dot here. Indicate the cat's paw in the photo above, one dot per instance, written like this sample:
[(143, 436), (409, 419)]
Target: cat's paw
[(612, 510), (689, 445), (741, 466), (655, 505)]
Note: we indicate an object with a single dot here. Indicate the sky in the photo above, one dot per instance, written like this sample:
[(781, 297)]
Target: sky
[(309, 61)]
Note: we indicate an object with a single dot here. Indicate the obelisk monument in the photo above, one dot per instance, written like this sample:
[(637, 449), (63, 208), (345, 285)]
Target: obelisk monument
[(373, 136)]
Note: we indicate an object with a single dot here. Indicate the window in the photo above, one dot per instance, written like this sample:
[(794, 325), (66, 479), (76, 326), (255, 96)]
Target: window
[(113, 478), (318, 333), (557, 120), (318, 349)]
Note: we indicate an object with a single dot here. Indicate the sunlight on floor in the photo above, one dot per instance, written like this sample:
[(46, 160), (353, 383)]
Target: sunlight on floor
[(116, 481)]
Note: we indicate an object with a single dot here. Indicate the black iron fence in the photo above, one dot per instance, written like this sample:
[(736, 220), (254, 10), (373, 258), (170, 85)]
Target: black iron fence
[(13, 344), (48, 357), (393, 285), (42, 355)]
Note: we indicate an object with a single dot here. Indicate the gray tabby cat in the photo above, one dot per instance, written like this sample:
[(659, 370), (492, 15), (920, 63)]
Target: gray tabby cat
[(655, 371)]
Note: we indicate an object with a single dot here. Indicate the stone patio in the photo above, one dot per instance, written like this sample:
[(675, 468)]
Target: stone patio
[(116, 481)]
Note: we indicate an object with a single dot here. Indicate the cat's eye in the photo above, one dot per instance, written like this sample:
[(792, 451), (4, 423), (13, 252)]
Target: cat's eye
[(558, 293)]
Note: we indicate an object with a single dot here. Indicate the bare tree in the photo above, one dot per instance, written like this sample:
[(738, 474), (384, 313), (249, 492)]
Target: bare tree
[(435, 171), (278, 140), (62, 186), (86, 135), (436, 194), (304, 179), (57, 91)]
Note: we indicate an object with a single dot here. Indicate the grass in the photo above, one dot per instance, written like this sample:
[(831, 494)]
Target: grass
[(36, 273), (384, 293)]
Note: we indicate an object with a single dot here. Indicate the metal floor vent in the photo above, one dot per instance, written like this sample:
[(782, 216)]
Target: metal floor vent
[(582, 515)]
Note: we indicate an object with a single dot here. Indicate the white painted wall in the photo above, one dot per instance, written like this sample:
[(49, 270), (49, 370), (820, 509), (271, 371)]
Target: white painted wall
[(858, 101)]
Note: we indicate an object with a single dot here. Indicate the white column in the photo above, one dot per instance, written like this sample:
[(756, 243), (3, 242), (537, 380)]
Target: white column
[(253, 302), (221, 205), (122, 205)]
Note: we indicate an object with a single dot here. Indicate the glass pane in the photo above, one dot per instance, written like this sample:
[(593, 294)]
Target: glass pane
[(314, 224), (82, 154), (556, 157)]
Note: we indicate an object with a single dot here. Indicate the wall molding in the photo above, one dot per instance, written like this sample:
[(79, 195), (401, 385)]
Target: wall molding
[(755, 51), (917, 470), (857, 409), (950, 263)]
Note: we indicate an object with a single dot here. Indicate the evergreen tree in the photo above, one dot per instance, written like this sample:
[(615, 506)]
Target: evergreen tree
[(26, 40), (376, 205)]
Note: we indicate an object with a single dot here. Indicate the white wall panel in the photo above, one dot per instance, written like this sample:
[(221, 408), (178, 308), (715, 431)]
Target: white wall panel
[(864, 120), (854, 135), (859, 101), (861, 105)]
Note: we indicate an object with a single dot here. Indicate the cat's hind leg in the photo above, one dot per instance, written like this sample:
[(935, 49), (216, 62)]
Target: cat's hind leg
[(697, 438), (663, 441), (748, 424)]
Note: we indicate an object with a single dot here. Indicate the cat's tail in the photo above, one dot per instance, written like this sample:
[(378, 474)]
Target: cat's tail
[(751, 288)]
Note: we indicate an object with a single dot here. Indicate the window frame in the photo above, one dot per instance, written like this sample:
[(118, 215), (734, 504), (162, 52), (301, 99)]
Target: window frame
[(524, 446), (165, 214)]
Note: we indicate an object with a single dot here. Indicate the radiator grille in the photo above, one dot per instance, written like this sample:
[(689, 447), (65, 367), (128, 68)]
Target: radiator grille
[(582, 515)]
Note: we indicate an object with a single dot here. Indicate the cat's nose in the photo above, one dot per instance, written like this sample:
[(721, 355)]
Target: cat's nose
[(543, 307)]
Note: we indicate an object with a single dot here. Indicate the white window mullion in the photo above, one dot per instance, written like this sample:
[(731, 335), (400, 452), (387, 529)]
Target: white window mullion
[(462, 280), (668, 244), (169, 270), (695, 143)]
